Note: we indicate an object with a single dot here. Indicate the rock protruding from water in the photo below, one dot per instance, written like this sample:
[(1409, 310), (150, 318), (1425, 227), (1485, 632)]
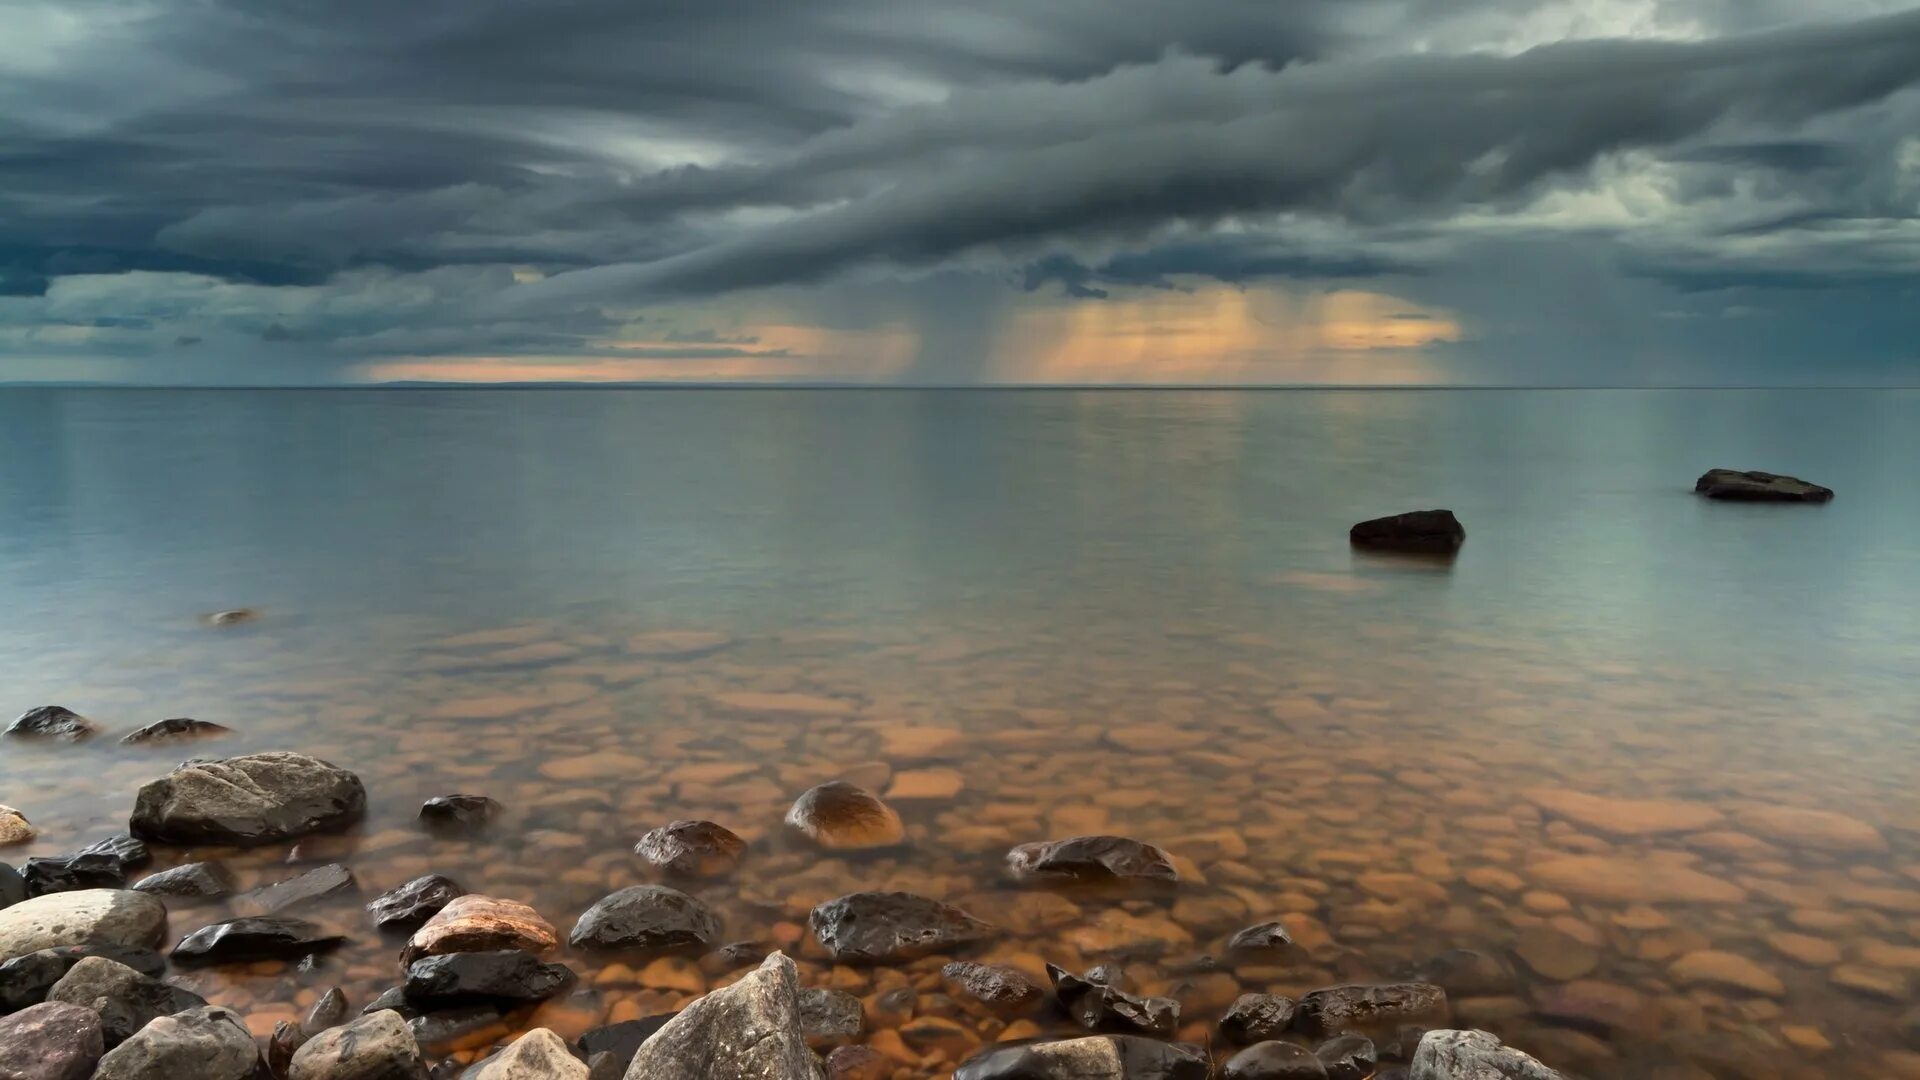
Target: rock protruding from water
[(296, 892), (378, 1046), (125, 999), (645, 918), (1274, 1061), (747, 1031), (1104, 1057), (176, 729), (250, 800), (882, 927), (475, 923), (538, 1055), (504, 977), (414, 903), (190, 881), (1338, 1010), (1735, 486), (458, 813), (1092, 858), (692, 849), (842, 817), (207, 1043), (270, 938), (1473, 1055), (117, 917), (15, 829), (1097, 1005), (1429, 532), (54, 1041), (52, 722), (1256, 1018), (1001, 989)]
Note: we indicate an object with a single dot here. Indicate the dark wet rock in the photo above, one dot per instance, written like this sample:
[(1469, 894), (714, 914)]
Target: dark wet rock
[(605, 1067), (621, 1041), (394, 998), (1104, 1057), (747, 1031), (206, 1043), (1427, 531), (1910, 1028), (1274, 1061), (444, 1030), (881, 927), (52, 722), (330, 1011), (250, 800), (1465, 973), (126, 919), (378, 1046), (1257, 1018), (843, 817), (131, 853), (175, 730), (313, 886), (230, 617), (269, 938), (1001, 989), (646, 918), (1347, 1057), (475, 923), (13, 887), (1262, 939), (1473, 1055), (125, 999), (1091, 858), (415, 902), (72, 873), (470, 978), (736, 954), (692, 849), (192, 881), (1736, 486), (895, 1007), (1338, 1010), (286, 1040), (830, 1016), (1100, 1007), (53, 1041), (458, 813), (27, 980), (858, 1063)]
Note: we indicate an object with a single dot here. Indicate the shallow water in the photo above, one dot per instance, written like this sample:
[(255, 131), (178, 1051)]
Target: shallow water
[(1133, 612)]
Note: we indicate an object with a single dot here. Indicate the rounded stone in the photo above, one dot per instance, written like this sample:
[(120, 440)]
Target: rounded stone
[(52, 1041), (88, 917), (246, 801), (646, 918), (692, 848), (378, 1046), (1274, 1061), (842, 817), (207, 1043), (475, 923)]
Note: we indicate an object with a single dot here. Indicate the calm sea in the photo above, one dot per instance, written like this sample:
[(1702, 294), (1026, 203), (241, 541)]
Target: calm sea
[(1139, 612)]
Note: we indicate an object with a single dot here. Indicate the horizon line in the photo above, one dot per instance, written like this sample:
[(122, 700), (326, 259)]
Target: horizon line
[(578, 385)]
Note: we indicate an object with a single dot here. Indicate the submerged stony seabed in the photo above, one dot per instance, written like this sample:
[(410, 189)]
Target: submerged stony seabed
[(1653, 873)]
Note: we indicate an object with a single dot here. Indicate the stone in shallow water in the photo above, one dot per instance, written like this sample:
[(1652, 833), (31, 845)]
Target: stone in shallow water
[(692, 848), (830, 1016), (1711, 967), (91, 917), (493, 978), (175, 730), (677, 644), (1098, 1006), (415, 902), (194, 881), (1092, 858), (622, 1040), (72, 873), (125, 999), (645, 918), (1267, 937), (1255, 1018), (1338, 1010), (1602, 1008), (475, 923), (1464, 973), (1347, 1057), (1821, 830), (1473, 1055), (311, 887), (1631, 880), (537, 1055), (1423, 531), (458, 813), (1002, 989), (50, 1042), (842, 817), (882, 927), (15, 828), (1554, 955), (270, 938), (1623, 817), (747, 1031), (378, 1046), (1737, 486), (250, 800), (1101, 1057), (52, 722), (207, 1043), (1274, 1061)]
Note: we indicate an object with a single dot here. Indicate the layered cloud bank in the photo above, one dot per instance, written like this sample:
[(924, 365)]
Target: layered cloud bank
[(1356, 191)]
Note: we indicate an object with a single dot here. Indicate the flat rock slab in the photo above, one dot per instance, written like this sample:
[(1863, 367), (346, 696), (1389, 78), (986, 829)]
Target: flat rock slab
[(1624, 817), (1736, 486), (1092, 858), (1106, 1057), (309, 888), (270, 938), (882, 927), (1824, 830), (1419, 531), (190, 881), (246, 801), (1632, 880), (89, 917), (475, 923), (747, 1031)]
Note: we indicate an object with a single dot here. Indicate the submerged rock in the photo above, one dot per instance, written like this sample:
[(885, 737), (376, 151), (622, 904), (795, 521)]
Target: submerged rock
[(1338, 1010), (470, 978), (1274, 1061), (52, 722), (1421, 531), (270, 938), (458, 813), (646, 918), (250, 800), (1473, 1055), (747, 1031), (882, 927), (537, 1055), (125, 999), (1737, 486), (378, 1046), (1267, 937), (843, 817), (15, 829), (830, 1016), (1092, 858), (310, 887), (91, 917), (622, 1040), (207, 1043), (198, 881), (174, 730), (1255, 1018), (692, 848), (1098, 1006), (54, 1041), (475, 923), (1347, 1057), (1001, 989), (1104, 1057), (414, 903)]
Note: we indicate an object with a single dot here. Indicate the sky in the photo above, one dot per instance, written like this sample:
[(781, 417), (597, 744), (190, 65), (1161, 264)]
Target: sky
[(956, 192)]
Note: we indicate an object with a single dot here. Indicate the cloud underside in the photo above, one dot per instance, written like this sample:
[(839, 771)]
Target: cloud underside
[(206, 187)]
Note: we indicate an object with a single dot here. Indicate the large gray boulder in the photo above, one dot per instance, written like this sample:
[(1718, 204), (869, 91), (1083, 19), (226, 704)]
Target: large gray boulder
[(1473, 1055), (125, 999), (87, 917), (208, 1043), (51, 1041), (1099, 1057), (1735, 486), (378, 1046), (245, 801), (747, 1031), (537, 1055)]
